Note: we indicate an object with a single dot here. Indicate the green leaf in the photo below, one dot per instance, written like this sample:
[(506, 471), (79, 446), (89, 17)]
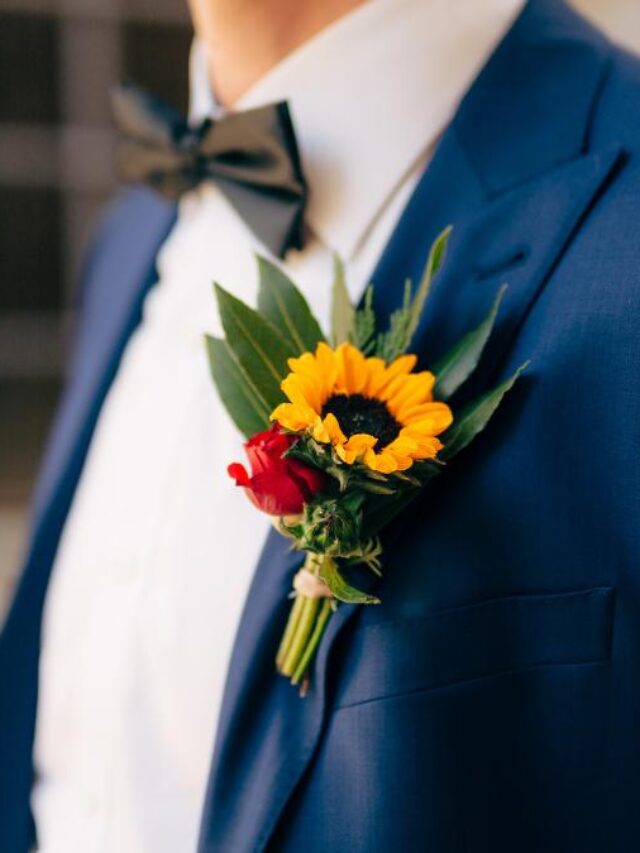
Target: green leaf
[(474, 418), (404, 321), (242, 400), (432, 267), (280, 301), (376, 489), (339, 587), (363, 327), (460, 362), (393, 342), (256, 343), (342, 310)]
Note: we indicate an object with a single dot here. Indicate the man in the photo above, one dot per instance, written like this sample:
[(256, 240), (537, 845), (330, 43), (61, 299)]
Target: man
[(491, 702)]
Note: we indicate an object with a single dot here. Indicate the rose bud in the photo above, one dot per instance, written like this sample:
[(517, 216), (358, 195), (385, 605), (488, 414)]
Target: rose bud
[(278, 485)]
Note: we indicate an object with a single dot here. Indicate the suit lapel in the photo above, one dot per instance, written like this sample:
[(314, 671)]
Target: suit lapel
[(516, 238), (515, 176)]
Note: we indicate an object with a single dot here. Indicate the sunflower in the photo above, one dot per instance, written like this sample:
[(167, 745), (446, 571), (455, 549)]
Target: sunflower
[(380, 414)]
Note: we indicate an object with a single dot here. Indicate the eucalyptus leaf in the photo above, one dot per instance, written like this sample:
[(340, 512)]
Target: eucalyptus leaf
[(453, 369), (280, 301), (340, 588), (474, 418), (342, 310), (244, 403), (257, 344)]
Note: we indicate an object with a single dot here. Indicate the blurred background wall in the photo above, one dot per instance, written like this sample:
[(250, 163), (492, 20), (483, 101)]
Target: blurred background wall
[(58, 61)]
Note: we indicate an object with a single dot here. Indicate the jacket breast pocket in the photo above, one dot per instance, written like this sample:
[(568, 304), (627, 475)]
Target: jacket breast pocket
[(448, 647)]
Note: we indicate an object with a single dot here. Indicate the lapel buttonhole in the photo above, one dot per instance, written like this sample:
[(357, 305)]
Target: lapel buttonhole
[(507, 261)]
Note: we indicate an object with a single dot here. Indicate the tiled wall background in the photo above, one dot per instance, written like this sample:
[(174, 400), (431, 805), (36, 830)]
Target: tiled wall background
[(58, 60)]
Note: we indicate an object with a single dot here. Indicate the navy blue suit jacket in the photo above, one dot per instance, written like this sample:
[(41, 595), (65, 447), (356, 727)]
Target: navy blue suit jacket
[(491, 704)]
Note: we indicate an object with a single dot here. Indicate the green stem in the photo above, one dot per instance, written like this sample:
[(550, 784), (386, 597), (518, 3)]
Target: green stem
[(302, 634), (314, 640), (289, 632)]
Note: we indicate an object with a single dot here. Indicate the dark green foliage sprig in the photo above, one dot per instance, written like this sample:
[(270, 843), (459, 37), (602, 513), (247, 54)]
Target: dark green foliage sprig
[(391, 344), (280, 301), (248, 366), (359, 326), (363, 330), (404, 322)]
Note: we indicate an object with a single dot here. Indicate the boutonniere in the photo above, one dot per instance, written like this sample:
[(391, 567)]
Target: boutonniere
[(342, 433)]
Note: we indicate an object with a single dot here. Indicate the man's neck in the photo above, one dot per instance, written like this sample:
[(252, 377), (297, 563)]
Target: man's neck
[(244, 39)]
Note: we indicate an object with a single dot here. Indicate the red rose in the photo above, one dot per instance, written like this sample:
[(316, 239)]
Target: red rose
[(278, 485)]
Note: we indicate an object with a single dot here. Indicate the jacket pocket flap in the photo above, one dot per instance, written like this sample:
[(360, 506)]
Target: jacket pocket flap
[(450, 646)]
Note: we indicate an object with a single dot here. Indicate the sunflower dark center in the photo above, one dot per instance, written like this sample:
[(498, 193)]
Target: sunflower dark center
[(356, 414)]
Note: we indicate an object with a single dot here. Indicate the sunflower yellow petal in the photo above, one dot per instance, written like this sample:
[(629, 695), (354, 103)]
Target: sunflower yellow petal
[(404, 462), (432, 418), (304, 367), (355, 447), (376, 372), (402, 445), (316, 373), (383, 462), (292, 417), (360, 442), (301, 390), (352, 370), (428, 447), (409, 391), (402, 366), (325, 356), (327, 431), (326, 369)]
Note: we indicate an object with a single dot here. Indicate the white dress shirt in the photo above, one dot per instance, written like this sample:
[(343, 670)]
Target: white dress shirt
[(160, 546)]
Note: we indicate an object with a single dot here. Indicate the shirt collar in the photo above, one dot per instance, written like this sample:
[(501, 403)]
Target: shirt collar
[(369, 95)]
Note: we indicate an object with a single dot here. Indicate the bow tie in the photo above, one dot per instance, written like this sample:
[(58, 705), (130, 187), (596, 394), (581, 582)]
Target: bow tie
[(251, 156)]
